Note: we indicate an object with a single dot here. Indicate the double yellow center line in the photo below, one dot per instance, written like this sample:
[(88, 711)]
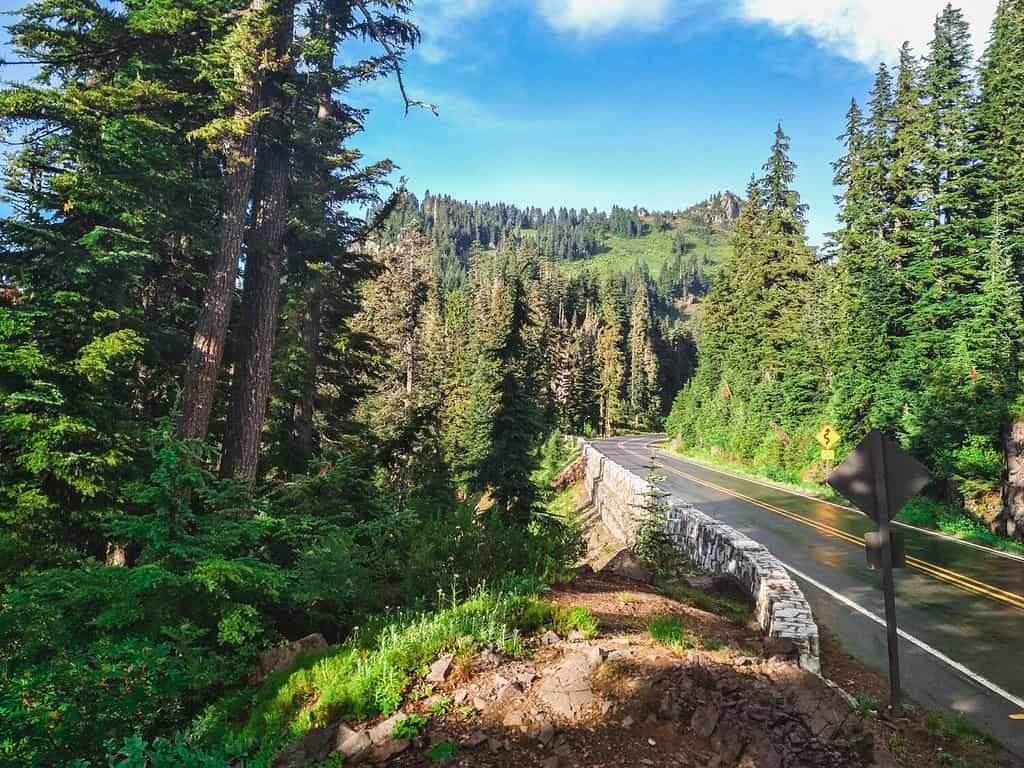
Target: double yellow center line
[(959, 580)]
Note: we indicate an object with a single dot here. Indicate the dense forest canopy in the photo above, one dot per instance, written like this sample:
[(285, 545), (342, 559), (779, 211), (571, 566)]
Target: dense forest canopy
[(234, 410)]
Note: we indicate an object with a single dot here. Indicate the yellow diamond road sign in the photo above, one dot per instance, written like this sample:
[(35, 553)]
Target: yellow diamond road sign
[(828, 437)]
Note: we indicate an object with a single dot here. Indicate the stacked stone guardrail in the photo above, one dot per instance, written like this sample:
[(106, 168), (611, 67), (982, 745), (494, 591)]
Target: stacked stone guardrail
[(780, 606)]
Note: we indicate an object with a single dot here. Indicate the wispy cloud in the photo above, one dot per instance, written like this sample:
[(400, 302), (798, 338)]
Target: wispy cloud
[(443, 23), (865, 31), (595, 17)]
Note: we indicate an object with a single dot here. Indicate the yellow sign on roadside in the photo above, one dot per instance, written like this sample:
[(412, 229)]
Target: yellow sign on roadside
[(828, 437), (828, 455)]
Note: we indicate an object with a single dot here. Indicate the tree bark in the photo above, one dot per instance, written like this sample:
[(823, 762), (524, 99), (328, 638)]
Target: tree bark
[(1013, 486), (200, 381), (250, 386)]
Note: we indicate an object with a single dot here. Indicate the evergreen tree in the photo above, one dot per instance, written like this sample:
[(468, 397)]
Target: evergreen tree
[(644, 401), (612, 366), (502, 421)]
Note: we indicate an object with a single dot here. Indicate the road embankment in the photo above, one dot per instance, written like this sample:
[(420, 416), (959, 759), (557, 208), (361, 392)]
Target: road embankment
[(783, 612)]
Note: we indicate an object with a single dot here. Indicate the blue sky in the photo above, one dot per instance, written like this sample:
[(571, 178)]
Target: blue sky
[(650, 102), (659, 103)]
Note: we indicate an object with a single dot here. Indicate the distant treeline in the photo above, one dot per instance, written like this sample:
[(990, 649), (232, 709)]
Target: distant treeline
[(565, 234)]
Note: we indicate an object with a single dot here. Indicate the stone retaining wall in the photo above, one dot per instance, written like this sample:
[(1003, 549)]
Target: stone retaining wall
[(779, 604)]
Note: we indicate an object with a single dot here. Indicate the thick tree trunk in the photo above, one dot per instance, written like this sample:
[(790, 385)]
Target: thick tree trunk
[(250, 386), (204, 362), (1013, 487), (200, 382)]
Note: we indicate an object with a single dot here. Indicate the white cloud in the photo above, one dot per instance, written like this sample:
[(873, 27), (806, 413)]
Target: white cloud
[(594, 17), (866, 31), (441, 24)]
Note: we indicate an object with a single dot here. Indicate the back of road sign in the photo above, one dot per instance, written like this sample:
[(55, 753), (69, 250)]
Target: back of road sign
[(855, 478)]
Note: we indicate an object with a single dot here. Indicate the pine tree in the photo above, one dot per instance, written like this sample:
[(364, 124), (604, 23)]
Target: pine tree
[(1002, 123), (644, 402), (502, 420), (757, 377), (944, 270)]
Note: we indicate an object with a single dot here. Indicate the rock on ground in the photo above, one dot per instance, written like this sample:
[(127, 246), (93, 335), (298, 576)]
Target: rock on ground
[(628, 566), (285, 655)]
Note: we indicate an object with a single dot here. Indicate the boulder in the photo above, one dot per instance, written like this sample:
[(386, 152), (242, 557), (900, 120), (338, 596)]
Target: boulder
[(314, 747), (383, 752), (382, 732), (351, 744), (626, 565), (285, 655), (439, 669), (566, 691)]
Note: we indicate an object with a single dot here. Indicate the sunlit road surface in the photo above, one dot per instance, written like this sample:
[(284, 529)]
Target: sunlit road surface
[(960, 607)]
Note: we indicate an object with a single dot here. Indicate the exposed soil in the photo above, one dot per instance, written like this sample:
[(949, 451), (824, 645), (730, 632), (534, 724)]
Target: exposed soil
[(714, 698), (718, 703)]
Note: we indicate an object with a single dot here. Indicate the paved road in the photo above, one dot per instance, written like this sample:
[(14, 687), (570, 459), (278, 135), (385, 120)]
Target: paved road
[(961, 607)]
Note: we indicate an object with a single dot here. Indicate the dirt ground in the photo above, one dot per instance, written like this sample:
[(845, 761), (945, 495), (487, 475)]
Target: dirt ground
[(503, 717)]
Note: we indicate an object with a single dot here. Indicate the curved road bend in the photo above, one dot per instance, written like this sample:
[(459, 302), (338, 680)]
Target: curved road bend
[(960, 607)]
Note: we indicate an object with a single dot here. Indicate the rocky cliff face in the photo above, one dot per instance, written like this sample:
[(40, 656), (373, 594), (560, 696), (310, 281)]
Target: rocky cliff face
[(722, 209)]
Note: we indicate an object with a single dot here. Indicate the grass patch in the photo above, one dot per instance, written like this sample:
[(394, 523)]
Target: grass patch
[(653, 250), (557, 618), (371, 673), (670, 631), (736, 612), (563, 505), (715, 643), (929, 513), (442, 750), (955, 729)]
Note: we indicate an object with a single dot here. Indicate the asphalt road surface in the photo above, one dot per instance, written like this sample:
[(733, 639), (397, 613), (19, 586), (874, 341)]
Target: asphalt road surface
[(960, 607)]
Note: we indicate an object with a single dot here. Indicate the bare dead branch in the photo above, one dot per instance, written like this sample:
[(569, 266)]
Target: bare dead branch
[(380, 38)]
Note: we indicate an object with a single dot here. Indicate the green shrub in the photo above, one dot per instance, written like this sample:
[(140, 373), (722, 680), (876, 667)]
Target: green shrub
[(867, 704), (442, 706), (409, 727), (166, 753)]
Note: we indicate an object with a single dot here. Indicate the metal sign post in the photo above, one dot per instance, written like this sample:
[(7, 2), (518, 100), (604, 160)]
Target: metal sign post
[(888, 585), (879, 477)]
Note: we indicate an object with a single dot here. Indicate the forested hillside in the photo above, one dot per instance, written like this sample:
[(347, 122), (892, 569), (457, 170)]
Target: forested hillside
[(232, 409), (226, 418), (911, 322)]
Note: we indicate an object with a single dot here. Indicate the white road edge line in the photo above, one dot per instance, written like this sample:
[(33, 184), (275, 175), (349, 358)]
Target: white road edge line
[(937, 534), (1017, 702)]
